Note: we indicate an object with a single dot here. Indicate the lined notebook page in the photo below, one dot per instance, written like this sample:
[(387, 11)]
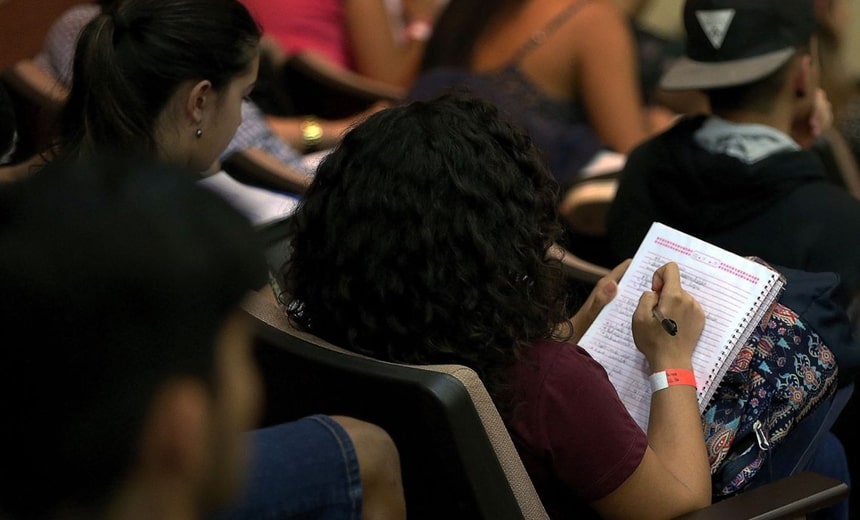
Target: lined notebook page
[(734, 293)]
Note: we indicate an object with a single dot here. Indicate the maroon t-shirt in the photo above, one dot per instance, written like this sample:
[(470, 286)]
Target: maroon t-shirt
[(576, 439)]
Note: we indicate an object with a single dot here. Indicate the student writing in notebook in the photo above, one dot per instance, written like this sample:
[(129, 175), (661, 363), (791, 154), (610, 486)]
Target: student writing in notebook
[(425, 239)]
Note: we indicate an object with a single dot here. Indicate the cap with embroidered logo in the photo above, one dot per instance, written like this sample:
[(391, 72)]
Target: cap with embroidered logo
[(735, 42)]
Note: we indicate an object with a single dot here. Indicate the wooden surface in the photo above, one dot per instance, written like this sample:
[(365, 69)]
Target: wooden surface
[(23, 24)]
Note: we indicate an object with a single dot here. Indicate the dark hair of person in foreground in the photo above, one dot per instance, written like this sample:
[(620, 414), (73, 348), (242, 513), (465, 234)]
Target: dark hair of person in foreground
[(116, 277)]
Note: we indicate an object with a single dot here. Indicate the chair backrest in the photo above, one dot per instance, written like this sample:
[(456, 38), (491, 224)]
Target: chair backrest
[(586, 203), (458, 459), (584, 209)]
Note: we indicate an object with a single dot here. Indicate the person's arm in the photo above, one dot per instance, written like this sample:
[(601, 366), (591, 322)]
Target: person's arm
[(673, 477), (258, 153), (377, 52), (604, 291), (292, 131), (39, 86), (15, 172), (264, 167), (607, 75)]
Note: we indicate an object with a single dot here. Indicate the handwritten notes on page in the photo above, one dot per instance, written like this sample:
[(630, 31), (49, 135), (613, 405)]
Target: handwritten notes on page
[(734, 292)]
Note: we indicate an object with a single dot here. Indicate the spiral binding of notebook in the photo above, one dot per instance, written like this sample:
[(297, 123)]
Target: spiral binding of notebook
[(764, 304)]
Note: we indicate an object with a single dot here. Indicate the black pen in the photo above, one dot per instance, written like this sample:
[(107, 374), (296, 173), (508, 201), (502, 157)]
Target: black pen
[(669, 325)]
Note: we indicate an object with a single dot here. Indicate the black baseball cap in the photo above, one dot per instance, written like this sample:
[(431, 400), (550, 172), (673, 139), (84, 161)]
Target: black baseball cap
[(735, 42)]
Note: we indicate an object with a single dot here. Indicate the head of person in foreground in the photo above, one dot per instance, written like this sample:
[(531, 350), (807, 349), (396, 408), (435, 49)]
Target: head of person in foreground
[(127, 378)]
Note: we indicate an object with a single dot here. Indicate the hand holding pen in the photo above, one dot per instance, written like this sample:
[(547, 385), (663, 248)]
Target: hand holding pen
[(668, 324), (668, 321)]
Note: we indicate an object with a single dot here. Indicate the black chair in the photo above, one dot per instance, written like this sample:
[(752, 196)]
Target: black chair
[(457, 458)]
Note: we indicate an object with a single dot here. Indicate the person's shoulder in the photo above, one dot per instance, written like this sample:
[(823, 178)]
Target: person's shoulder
[(571, 363), (78, 15), (678, 136), (67, 27), (602, 11), (599, 18), (831, 200), (679, 133)]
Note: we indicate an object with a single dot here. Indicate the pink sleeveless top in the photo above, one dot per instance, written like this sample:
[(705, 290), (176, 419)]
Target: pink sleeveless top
[(300, 25)]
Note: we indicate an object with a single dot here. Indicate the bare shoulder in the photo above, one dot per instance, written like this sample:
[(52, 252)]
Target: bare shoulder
[(597, 16), (596, 25), (600, 27)]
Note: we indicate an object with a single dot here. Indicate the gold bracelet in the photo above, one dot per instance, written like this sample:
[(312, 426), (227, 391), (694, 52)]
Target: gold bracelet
[(312, 134)]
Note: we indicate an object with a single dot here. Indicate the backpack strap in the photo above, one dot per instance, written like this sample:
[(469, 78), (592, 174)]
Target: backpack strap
[(543, 34)]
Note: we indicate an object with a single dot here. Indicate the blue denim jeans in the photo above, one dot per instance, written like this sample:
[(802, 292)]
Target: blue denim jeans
[(830, 460), (305, 469)]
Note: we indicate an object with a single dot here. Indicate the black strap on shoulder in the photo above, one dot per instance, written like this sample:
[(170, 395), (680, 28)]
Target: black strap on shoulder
[(543, 34)]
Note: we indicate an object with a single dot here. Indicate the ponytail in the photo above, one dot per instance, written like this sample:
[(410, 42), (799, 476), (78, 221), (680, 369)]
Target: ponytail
[(103, 110), (133, 57)]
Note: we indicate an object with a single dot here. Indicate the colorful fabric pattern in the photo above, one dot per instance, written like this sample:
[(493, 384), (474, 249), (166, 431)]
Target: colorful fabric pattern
[(779, 377)]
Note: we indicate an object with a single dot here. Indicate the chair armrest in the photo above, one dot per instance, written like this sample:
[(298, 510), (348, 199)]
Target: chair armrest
[(586, 204), (575, 267), (790, 497)]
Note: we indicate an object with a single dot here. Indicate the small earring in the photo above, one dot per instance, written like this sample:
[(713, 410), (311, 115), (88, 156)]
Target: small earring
[(199, 133)]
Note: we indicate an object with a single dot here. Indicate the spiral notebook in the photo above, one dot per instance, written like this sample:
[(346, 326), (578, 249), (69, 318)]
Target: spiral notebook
[(735, 293)]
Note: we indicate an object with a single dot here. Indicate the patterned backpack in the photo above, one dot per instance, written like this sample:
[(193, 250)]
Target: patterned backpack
[(783, 373)]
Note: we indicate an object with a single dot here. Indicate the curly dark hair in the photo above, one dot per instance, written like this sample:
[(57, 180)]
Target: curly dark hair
[(423, 239)]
